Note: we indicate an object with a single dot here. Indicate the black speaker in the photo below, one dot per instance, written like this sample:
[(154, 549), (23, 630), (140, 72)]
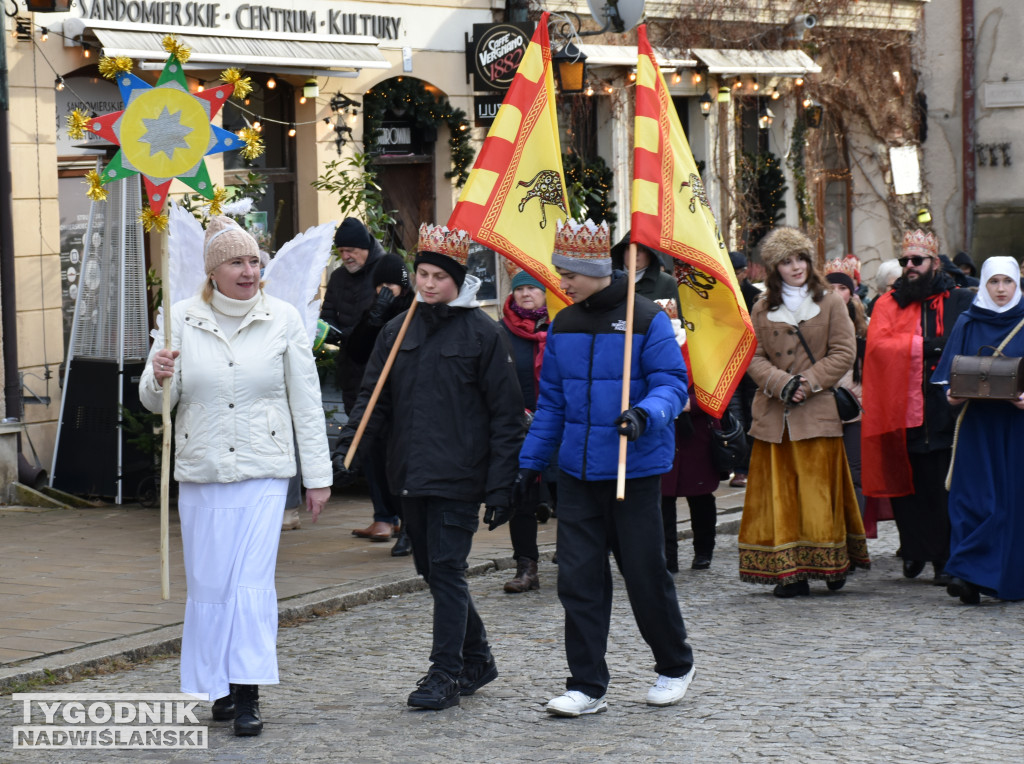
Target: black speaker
[(86, 462)]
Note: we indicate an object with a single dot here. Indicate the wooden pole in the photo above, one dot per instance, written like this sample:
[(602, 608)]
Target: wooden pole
[(627, 366), (380, 385), (165, 453)]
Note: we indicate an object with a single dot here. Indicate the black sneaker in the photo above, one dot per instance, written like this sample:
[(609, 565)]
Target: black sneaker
[(476, 675), (436, 690)]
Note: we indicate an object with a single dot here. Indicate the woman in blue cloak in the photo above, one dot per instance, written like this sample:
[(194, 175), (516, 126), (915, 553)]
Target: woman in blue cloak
[(986, 491)]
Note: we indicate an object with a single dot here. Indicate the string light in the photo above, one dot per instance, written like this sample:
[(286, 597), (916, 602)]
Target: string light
[(86, 52), (271, 83), (775, 94), (676, 78), (697, 78), (302, 100), (60, 84), (799, 81), (257, 126), (291, 132), (590, 90), (44, 36), (632, 76)]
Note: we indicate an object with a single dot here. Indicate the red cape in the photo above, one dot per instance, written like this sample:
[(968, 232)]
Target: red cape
[(893, 397)]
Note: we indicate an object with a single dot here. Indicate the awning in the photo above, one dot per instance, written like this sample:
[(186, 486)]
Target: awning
[(284, 52), (793, 63), (626, 55)]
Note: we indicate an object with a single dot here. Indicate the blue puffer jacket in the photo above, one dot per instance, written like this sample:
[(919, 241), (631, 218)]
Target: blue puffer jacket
[(581, 389)]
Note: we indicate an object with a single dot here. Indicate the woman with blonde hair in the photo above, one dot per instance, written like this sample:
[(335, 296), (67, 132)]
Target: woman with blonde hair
[(240, 371), (800, 517)]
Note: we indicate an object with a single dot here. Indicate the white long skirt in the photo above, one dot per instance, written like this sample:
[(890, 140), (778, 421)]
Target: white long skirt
[(230, 534)]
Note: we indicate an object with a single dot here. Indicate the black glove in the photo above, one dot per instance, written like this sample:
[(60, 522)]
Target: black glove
[(526, 489), (495, 516), (343, 475), (379, 310), (933, 346), (789, 390), (632, 423)]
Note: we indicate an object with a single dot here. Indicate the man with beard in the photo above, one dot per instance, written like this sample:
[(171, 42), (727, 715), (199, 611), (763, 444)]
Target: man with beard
[(908, 424)]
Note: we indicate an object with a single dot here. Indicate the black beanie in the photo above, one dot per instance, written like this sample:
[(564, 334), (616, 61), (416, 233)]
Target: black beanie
[(352, 233), (390, 269), (445, 263), (841, 278)]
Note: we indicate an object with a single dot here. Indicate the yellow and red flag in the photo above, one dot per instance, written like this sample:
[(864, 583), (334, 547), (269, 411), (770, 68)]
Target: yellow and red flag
[(516, 189), (670, 213)]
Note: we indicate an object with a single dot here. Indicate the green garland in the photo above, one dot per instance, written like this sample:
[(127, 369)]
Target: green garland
[(407, 97), (804, 205), (593, 184)]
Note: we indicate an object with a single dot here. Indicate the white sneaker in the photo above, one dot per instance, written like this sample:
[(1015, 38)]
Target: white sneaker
[(668, 691), (575, 703)]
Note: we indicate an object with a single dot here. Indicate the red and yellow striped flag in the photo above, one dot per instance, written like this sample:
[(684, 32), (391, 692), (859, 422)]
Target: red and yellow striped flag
[(516, 190), (671, 214)]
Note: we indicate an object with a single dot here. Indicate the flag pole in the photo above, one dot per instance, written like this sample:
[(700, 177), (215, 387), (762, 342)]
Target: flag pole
[(165, 448), (627, 365), (380, 385)]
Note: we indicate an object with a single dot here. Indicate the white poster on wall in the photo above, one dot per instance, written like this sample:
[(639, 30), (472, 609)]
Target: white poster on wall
[(906, 169)]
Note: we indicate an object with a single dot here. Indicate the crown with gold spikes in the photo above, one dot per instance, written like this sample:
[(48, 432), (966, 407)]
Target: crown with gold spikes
[(850, 265), (512, 268), (437, 238), (920, 243), (582, 247)]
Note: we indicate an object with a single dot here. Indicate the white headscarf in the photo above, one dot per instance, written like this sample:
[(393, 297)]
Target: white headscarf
[(998, 266)]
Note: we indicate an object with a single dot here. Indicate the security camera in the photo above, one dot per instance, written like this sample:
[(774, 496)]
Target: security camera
[(806, 20)]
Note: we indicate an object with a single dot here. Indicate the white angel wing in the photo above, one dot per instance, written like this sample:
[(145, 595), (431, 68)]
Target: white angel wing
[(185, 267), (295, 272)]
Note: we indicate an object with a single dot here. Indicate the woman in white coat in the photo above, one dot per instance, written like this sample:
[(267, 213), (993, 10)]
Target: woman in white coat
[(242, 375)]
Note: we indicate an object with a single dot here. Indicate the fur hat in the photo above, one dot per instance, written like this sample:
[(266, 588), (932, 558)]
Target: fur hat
[(448, 250), (784, 242), (352, 233), (583, 248), (225, 240)]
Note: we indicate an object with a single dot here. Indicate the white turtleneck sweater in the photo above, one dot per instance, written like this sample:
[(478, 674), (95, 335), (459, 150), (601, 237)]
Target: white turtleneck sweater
[(793, 296), (230, 312)]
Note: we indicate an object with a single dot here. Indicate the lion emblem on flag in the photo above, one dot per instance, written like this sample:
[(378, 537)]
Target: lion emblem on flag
[(546, 186)]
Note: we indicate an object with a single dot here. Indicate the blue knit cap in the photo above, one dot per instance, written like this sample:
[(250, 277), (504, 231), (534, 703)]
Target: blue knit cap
[(523, 278)]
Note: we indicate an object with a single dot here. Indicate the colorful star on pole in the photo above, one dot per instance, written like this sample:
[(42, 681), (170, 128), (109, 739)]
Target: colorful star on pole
[(165, 132)]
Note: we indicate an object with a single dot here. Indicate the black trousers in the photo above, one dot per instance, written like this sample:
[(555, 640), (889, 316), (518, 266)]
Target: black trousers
[(441, 532), (923, 517), (590, 524), (703, 522)]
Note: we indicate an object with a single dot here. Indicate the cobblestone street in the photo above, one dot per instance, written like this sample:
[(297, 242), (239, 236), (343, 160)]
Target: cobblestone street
[(888, 669)]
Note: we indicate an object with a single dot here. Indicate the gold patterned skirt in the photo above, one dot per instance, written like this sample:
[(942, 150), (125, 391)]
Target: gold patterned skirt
[(800, 516)]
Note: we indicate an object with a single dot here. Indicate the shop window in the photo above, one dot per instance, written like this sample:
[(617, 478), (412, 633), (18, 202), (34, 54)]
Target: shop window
[(274, 108)]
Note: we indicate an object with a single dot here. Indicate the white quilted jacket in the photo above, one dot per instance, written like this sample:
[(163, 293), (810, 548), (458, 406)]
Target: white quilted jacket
[(238, 402)]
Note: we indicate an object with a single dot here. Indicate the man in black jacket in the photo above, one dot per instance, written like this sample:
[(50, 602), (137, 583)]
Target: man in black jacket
[(919, 312), (456, 424), (349, 296)]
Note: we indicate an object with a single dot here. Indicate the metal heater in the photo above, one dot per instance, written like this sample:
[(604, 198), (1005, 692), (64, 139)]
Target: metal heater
[(107, 351)]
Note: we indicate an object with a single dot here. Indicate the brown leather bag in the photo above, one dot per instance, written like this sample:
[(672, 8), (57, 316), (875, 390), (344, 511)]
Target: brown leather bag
[(988, 377)]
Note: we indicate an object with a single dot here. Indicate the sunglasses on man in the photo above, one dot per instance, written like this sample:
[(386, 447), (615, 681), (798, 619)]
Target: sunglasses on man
[(915, 259)]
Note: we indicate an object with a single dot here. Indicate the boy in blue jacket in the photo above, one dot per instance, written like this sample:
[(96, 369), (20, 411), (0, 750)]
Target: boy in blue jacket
[(579, 408)]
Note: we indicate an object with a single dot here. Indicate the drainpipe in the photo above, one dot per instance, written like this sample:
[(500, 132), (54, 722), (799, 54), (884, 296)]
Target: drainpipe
[(8, 313), (967, 120)]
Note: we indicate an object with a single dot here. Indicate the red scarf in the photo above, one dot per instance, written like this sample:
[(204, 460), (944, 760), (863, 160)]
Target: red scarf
[(527, 329)]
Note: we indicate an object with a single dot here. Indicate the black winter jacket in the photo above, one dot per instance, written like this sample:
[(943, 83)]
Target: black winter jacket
[(346, 300), (453, 403), (939, 417)]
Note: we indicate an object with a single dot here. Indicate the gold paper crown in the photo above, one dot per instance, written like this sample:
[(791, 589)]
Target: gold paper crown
[(511, 268), (849, 265), (920, 243), (582, 241), (437, 238)]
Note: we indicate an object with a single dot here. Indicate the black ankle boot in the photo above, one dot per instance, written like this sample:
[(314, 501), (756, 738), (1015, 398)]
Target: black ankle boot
[(224, 708), (247, 710)]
